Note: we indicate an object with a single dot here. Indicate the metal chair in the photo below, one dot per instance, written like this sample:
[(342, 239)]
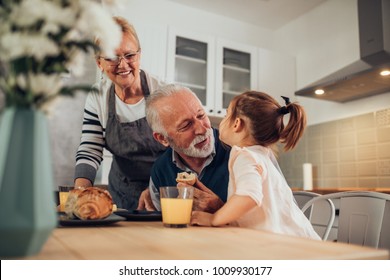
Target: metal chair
[(320, 215), (302, 197), (364, 217)]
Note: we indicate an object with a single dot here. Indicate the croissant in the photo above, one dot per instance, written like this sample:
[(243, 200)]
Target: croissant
[(186, 178), (89, 203)]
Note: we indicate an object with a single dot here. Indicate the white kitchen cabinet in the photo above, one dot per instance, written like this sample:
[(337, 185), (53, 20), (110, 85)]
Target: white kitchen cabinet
[(236, 72), (215, 69), (191, 63)]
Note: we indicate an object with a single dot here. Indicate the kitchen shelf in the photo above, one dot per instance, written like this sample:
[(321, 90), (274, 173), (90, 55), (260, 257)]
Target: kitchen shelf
[(191, 59), (194, 86), (236, 68)]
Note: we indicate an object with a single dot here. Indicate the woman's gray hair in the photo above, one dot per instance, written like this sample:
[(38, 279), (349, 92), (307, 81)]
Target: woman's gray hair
[(152, 111)]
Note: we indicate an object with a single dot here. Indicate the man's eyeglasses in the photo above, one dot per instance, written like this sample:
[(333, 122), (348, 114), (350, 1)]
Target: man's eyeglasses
[(128, 57)]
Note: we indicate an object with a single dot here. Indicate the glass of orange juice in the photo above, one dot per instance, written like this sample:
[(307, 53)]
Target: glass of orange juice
[(63, 192), (176, 205)]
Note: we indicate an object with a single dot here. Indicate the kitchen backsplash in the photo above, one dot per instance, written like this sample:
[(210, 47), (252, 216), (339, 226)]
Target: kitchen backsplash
[(352, 152)]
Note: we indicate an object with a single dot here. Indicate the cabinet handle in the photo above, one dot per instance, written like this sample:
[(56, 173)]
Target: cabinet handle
[(211, 110), (219, 112)]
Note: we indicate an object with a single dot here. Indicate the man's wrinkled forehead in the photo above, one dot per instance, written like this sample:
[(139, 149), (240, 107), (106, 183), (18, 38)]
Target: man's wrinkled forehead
[(179, 106)]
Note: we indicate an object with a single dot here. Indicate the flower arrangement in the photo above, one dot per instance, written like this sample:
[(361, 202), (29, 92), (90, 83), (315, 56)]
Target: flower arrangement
[(43, 40)]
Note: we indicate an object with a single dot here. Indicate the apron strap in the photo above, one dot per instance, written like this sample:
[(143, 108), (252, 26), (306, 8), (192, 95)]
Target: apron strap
[(144, 84), (111, 95)]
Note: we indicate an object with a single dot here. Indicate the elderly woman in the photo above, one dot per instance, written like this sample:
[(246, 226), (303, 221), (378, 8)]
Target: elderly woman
[(114, 118)]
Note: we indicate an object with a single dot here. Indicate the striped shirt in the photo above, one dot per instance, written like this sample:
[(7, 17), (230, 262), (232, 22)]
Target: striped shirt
[(90, 152)]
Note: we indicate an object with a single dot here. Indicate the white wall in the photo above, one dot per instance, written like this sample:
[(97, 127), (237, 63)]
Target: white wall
[(323, 41)]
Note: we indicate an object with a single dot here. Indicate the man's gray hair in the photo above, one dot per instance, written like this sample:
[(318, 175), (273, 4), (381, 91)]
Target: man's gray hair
[(152, 111)]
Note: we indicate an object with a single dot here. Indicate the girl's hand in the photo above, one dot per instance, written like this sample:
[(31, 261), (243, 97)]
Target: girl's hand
[(201, 218)]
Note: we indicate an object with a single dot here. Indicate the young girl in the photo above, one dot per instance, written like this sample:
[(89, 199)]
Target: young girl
[(258, 194)]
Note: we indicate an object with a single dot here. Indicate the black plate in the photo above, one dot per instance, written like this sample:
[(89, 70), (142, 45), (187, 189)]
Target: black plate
[(63, 220), (139, 215)]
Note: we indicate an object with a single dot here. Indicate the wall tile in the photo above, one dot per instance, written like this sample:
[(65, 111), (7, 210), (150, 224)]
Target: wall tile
[(365, 121), (348, 170), (347, 154), (384, 151), (384, 167), (366, 136), (383, 117), (384, 182), (366, 152), (368, 182), (314, 131), (315, 157), (346, 125), (330, 142), (367, 168), (330, 170), (383, 134), (348, 182), (330, 156), (329, 128), (347, 139), (352, 152), (315, 144)]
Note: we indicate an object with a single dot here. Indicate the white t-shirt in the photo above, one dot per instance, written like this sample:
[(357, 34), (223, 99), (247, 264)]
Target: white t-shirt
[(129, 112), (253, 173)]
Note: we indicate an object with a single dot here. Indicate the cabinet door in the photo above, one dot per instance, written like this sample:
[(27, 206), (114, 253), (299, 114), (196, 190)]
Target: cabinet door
[(236, 72), (190, 63)]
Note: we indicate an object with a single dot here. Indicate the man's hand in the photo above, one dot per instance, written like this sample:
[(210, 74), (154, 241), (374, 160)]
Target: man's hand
[(145, 201), (204, 199)]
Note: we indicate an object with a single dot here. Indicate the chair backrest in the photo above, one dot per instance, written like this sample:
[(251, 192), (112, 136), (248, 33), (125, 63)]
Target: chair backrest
[(364, 217), (320, 214), (302, 197)]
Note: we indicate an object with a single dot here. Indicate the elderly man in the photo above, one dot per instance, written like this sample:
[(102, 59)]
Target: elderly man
[(179, 122)]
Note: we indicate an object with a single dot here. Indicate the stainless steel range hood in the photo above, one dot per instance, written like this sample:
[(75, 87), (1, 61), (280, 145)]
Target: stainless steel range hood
[(361, 78)]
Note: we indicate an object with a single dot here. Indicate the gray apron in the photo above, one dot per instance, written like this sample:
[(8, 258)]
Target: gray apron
[(134, 151)]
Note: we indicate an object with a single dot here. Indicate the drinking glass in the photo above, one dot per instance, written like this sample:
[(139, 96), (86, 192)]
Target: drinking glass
[(176, 205)]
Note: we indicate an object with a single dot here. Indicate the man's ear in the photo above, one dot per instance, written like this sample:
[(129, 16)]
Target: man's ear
[(160, 138)]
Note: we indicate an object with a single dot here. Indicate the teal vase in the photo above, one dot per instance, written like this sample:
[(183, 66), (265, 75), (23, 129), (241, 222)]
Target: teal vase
[(27, 208)]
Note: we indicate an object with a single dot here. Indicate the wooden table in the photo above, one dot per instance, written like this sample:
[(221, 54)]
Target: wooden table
[(151, 240)]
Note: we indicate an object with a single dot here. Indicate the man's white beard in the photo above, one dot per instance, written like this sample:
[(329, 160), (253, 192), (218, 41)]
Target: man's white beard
[(192, 151)]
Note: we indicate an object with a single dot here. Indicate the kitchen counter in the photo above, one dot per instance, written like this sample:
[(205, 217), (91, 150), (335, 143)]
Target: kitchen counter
[(152, 241)]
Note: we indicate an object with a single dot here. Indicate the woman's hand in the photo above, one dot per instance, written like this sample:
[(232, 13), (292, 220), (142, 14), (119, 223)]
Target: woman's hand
[(145, 201)]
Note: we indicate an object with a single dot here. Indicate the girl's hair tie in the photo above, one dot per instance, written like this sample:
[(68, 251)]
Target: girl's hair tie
[(284, 110)]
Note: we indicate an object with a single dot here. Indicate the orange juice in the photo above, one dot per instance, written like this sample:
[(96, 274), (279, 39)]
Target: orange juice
[(63, 198), (176, 211)]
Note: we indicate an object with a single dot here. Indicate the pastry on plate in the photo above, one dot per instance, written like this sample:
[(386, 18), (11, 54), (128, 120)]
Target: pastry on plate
[(89, 203)]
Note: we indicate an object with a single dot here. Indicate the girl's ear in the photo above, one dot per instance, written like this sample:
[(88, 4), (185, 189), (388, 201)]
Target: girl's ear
[(160, 138), (238, 125)]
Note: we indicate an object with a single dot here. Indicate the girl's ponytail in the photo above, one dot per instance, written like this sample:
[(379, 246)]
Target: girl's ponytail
[(291, 134)]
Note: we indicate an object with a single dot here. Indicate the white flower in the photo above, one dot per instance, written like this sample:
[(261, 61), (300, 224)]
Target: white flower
[(15, 45), (40, 84), (41, 40), (97, 20), (76, 63), (30, 11)]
